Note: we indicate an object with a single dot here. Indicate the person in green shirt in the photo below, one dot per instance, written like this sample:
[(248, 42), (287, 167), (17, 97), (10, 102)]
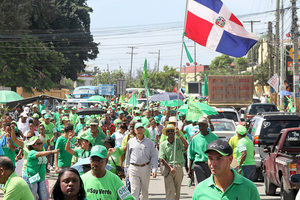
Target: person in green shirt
[(96, 132), (85, 141), (73, 116), (15, 188), (100, 183), (80, 125), (245, 154), (173, 121), (63, 158), (224, 183), (36, 168), (197, 150), (173, 166), (116, 157)]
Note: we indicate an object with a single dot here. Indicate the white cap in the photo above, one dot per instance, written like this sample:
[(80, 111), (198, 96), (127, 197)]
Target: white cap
[(23, 114), (26, 109), (172, 119)]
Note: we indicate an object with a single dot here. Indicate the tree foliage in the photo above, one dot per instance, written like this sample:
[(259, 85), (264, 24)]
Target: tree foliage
[(43, 41), (108, 77)]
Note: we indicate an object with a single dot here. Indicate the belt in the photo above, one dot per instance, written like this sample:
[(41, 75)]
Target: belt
[(140, 165), (199, 163)]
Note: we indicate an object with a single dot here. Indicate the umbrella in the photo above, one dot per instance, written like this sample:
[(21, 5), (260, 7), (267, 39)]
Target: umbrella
[(90, 111), (84, 165), (8, 96), (285, 93), (166, 96), (97, 98), (171, 103), (205, 108)]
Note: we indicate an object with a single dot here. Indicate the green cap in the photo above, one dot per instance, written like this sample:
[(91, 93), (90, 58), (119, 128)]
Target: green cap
[(74, 108), (99, 151), (240, 129), (120, 112), (65, 119), (156, 118), (138, 125), (59, 107), (47, 116), (35, 115), (32, 140)]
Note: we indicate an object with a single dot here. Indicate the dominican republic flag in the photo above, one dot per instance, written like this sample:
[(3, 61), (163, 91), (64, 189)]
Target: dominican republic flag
[(211, 24)]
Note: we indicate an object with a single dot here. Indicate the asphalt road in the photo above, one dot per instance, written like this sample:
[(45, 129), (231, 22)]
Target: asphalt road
[(157, 188)]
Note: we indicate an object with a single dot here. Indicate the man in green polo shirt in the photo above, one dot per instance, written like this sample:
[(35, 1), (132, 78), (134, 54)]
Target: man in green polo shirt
[(197, 148), (224, 183), (245, 154), (96, 132), (15, 188), (100, 183), (173, 174)]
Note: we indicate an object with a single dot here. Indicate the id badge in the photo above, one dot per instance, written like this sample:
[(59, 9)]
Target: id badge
[(34, 178)]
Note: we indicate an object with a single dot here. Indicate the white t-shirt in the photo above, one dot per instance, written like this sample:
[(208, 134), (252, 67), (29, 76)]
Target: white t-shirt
[(119, 137), (153, 133), (23, 127)]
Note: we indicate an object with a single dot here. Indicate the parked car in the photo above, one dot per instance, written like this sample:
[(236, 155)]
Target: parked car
[(281, 163), (255, 108), (265, 128), (295, 179), (223, 128), (227, 113)]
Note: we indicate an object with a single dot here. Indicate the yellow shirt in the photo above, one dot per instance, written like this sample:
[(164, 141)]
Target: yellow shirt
[(233, 142)]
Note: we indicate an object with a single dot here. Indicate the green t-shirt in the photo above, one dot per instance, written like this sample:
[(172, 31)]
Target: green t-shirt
[(81, 153), (109, 186), (99, 140), (166, 151), (116, 156), (73, 118), (16, 188), (64, 157), (49, 129), (7, 152), (198, 146), (241, 188), (36, 165), (79, 127), (245, 144)]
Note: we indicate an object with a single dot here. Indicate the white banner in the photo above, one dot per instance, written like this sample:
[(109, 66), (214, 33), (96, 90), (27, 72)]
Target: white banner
[(274, 82)]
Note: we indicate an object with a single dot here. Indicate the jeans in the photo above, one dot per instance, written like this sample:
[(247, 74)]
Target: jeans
[(38, 189), (249, 171), (51, 162)]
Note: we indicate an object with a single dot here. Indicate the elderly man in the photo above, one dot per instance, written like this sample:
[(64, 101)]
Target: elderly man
[(14, 187), (224, 183), (197, 150), (173, 165), (96, 132), (141, 155), (100, 183)]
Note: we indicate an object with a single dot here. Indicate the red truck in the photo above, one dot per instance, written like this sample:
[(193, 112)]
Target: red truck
[(283, 161)]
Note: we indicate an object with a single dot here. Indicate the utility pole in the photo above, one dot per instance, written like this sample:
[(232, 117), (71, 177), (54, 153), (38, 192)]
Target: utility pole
[(270, 50), (108, 73), (252, 52), (195, 62), (277, 37), (158, 58), (282, 67), (131, 60), (295, 35)]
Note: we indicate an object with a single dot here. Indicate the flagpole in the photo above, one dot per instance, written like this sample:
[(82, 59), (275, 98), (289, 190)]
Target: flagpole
[(179, 79)]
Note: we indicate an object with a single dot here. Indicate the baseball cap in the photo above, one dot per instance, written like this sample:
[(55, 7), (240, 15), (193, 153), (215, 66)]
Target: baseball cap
[(74, 108), (220, 146), (94, 121), (203, 120), (35, 115), (34, 106), (23, 114), (81, 116), (99, 151), (47, 116), (172, 119), (43, 112), (120, 112), (241, 130), (65, 119), (138, 125)]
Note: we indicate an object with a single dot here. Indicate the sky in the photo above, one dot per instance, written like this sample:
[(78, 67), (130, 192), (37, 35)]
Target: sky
[(154, 25)]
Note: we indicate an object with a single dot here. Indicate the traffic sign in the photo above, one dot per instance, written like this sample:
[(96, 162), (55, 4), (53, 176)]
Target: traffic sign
[(291, 53)]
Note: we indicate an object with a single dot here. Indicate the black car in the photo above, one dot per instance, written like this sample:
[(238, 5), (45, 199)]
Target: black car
[(265, 127), (255, 108)]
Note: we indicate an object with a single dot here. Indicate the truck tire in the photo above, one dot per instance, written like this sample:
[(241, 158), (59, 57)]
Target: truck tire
[(270, 188), (286, 194)]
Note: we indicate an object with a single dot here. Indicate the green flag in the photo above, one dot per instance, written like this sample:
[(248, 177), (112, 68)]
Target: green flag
[(132, 101), (188, 53), (194, 112), (146, 78), (205, 86)]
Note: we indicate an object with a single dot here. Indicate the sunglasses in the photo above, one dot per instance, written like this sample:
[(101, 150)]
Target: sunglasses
[(170, 131), (39, 143)]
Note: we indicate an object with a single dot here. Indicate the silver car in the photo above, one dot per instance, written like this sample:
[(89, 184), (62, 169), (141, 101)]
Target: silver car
[(223, 128)]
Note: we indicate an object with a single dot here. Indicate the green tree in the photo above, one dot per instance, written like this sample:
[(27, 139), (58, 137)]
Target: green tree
[(241, 64), (108, 77)]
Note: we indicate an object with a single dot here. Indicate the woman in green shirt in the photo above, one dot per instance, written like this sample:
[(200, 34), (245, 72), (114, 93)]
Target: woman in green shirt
[(36, 168)]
